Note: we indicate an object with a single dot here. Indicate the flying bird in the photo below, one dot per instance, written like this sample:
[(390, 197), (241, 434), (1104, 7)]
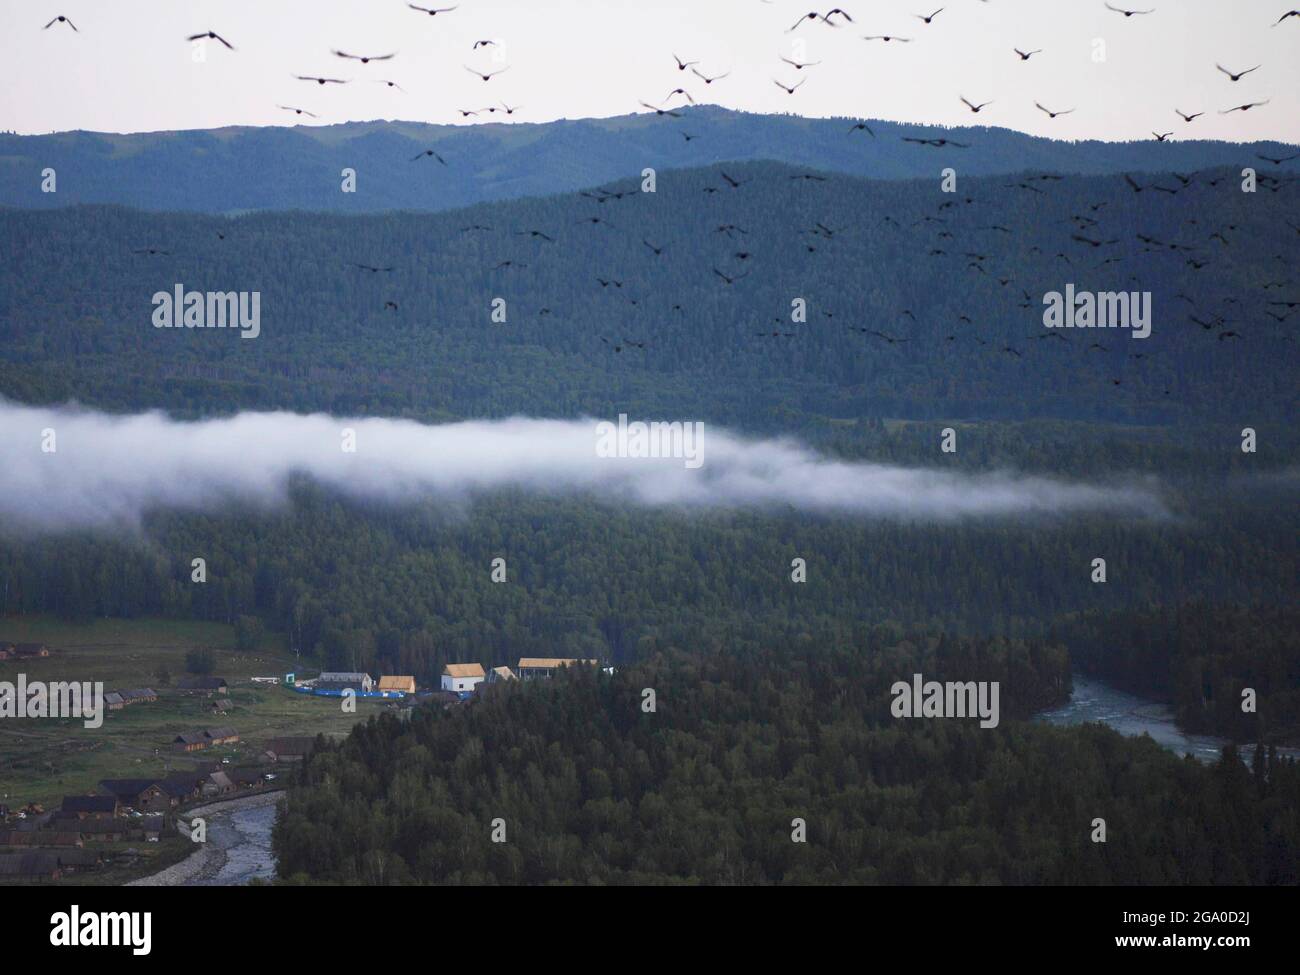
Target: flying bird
[(364, 59), (886, 38), (321, 81), (1237, 75), (60, 19), (683, 65), (1129, 13), (486, 77), (786, 88), (1050, 113), (972, 106), (1245, 108), (661, 111), (431, 11), (863, 126), (1161, 136), (430, 152), (1026, 55), (930, 17), (1188, 118), (210, 35), (297, 111), (800, 65), (706, 79)]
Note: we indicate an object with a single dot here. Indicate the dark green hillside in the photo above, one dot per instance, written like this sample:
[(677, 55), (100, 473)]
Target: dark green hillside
[(231, 169), (888, 269)]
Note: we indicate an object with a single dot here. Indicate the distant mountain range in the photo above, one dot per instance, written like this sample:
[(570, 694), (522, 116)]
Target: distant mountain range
[(242, 168)]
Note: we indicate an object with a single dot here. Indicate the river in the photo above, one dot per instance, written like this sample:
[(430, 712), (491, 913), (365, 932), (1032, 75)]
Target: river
[(1134, 716)]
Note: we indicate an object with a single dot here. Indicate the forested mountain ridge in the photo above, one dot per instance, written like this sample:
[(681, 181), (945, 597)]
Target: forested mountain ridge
[(920, 304), (743, 748), (240, 168)]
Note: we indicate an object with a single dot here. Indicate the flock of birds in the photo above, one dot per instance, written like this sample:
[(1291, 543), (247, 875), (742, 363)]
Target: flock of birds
[(836, 17), (1086, 231)]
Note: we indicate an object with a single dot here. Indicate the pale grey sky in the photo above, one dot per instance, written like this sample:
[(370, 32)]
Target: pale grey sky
[(129, 67)]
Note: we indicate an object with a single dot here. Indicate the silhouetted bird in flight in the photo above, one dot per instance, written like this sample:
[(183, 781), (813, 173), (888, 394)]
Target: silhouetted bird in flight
[(60, 19), (1129, 13), (321, 81), (430, 152), (1050, 113), (1237, 75), (210, 35), (486, 77), (707, 79), (937, 143), (824, 18), (432, 11), (683, 65), (972, 106), (661, 111), (1026, 55), (786, 88), (1245, 108), (363, 58), (863, 126), (297, 111), (927, 18), (1188, 118)]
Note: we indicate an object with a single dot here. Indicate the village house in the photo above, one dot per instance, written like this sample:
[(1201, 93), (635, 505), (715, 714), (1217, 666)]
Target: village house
[(222, 735), (342, 681), (218, 784), (90, 807), (142, 795), (89, 830), (138, 695), (461, 677), (532, 667), (31, 866), (202, 686), (246, 778), (182, 787), (289, 749), (191, 741), (75, 861), (405, 685), (499, 675), (27, 651)]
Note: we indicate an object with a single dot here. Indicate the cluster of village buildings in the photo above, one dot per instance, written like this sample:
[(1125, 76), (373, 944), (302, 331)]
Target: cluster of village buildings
[(36, 844), (23, 651), (459, 679)]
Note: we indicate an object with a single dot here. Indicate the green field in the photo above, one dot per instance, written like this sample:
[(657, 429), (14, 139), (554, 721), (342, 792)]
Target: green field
[(43, 759)]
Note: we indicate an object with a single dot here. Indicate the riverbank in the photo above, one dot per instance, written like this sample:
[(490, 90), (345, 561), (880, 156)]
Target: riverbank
[(206, 864), (1133, 716)]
